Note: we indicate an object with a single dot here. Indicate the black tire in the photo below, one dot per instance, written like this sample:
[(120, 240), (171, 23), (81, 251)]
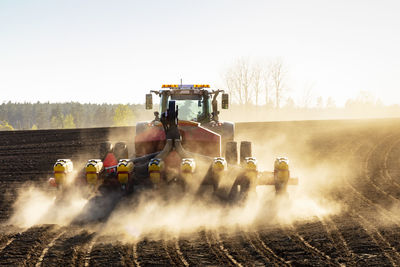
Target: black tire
[(104, 149), (121, 150), (245, 150), (231, 152)]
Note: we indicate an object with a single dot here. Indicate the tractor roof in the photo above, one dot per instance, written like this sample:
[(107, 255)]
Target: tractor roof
[(184, 89), (185, 86)]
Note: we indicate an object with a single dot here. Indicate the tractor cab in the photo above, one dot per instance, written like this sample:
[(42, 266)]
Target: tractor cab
[(195, 102), (197, 120), (192, 107)]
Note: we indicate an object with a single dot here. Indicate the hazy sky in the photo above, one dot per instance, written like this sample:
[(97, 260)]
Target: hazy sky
[(115, 51)]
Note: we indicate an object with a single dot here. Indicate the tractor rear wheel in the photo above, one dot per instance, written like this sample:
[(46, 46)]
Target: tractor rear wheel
[(121, 150), (231, 153), (245, 150)]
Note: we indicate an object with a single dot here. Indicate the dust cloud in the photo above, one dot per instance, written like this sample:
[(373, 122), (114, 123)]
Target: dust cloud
[(153, 215), (44, 205)]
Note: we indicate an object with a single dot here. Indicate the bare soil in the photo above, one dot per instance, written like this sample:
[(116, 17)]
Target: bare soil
[(365, 232)]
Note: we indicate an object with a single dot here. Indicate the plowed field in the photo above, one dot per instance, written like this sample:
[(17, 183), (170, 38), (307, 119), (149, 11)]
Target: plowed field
[(351, 165)]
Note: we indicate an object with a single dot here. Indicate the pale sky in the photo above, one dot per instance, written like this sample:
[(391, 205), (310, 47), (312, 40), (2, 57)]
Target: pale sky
[(116, 51)]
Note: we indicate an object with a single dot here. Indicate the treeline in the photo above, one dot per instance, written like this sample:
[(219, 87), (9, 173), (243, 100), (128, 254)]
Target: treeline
[(24, 116)]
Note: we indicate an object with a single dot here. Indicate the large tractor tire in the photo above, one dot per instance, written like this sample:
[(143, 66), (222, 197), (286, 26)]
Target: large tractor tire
[(121, 150), (245, 150), (231, 152)]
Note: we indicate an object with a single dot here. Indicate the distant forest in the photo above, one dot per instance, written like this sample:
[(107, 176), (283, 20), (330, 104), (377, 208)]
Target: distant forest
[(24, 116), (33, 116)]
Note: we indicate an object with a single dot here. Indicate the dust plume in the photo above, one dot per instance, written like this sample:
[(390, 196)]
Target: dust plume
[(38, 205), (311, 159), (152, 214)]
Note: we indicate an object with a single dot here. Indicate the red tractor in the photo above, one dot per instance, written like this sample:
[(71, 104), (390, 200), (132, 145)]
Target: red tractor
[(186, 145)]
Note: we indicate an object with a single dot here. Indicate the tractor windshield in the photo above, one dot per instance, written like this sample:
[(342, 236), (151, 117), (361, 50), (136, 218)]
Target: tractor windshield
[(189, 110), (191, 107)]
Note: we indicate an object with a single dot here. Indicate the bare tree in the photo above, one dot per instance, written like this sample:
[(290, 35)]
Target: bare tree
[(267, 85), (308, 95), (330, 103), (239, 80), (278, 75), (290, 103), (256, 79), (246, 81), (320, 102)]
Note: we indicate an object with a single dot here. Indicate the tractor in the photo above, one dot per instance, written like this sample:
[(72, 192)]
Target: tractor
[(185, 147)]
